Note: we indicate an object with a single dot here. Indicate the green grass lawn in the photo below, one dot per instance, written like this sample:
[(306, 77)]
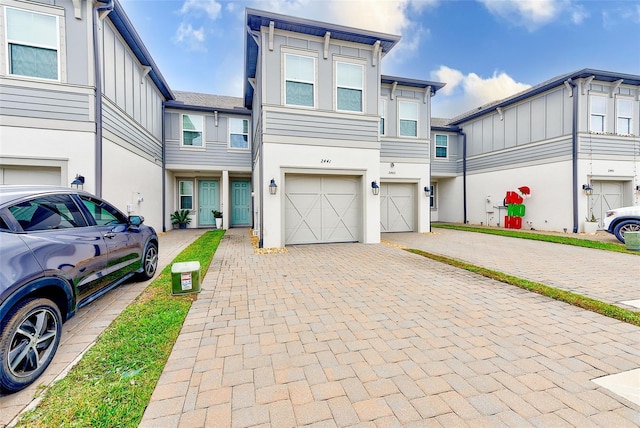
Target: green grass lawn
[(113, 382)]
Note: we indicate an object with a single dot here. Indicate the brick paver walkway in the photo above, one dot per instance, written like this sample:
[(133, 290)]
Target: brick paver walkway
[(603, 275), (370, 335)]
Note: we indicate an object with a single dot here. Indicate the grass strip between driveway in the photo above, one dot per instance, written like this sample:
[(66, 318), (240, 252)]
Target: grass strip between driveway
[(113, 382), (558, 239), (574, 299)]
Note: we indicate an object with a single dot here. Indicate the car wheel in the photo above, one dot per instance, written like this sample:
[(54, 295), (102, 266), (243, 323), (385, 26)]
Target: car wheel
[(624, 227), (149, 262), (28, 342)]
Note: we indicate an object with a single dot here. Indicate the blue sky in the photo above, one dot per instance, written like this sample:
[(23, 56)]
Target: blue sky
[(483, 50)]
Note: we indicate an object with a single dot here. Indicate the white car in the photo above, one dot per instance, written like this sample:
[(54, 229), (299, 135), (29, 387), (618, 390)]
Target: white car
[(622, 220)]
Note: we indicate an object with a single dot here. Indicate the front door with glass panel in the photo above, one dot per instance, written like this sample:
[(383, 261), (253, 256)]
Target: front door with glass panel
[(207, 202), (240, 203)]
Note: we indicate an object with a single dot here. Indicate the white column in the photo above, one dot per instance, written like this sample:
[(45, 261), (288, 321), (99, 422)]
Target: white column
[(225, 200)]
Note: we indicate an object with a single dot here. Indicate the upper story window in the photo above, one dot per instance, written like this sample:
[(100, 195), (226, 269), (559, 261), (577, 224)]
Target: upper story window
[(238, 133), (349, 84), (408, 116), (442, 146), (598, 113), (383, 117), (299, 80), (32, 44), (192, 130), (624, 113)]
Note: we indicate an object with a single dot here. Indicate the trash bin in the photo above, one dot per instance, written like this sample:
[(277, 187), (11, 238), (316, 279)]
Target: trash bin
[(185, 278), (632, 241)]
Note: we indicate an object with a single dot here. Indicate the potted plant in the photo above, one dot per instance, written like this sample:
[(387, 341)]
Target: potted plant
[(218, 216), (181, 218), (591, 224)]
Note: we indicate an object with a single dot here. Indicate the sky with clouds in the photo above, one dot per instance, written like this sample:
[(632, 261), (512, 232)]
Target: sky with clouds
[(483, 50)]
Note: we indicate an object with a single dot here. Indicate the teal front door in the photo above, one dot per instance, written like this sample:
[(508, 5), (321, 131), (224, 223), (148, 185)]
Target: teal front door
[(240, 203), (207, 202)]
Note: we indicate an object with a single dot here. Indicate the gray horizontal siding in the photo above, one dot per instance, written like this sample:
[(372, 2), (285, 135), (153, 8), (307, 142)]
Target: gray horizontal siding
[(44, 104), (405, 149), (321, 127), (449, 166), (599, 145), (525, 154), (216, 151), (114, 121)]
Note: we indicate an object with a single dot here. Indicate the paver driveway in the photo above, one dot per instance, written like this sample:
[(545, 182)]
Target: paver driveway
[(350, 334)]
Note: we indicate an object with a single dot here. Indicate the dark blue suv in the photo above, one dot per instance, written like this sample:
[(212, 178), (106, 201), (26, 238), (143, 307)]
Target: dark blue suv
[(60, 249)]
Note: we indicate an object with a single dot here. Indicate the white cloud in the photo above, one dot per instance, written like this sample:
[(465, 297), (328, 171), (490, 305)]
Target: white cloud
[(210, 7), (465, 92), (531, 14), (578, 14), (386, 16), (192, 39)]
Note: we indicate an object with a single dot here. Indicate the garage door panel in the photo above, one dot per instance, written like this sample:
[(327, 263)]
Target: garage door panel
[(30, 175), (397, 207), (322, 209), (607, 195)]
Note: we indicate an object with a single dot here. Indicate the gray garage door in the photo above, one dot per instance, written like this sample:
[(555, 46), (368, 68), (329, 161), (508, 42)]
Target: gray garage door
[(30, 175), (322, 209), (397, 207)]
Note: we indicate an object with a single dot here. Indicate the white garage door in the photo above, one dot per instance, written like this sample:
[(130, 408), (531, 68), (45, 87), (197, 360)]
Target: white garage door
[(607, 195), (397, 207), (30, 175), (322, 209)]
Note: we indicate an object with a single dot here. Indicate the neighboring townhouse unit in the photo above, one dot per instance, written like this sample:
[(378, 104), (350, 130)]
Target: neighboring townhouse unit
[(67, 111), (573, 141), (208, 159), (322, 171)]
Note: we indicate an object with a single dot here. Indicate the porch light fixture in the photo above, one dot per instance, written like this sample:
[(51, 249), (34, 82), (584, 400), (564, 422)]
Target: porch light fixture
[(427, 191), (273, 187), (375, 189), (78, 182), (638, 188), (587, 189)]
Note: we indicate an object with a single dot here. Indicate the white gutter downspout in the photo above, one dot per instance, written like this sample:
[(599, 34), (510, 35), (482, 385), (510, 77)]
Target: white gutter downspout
[(108, 7)]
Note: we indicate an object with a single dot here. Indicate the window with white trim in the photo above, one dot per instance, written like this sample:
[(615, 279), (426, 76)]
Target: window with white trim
[(185, 195), (300, 78), (238, 133), (408, 117), (192, 130), (624, 113), (349, 84), (32, 44), (383, 117), (442, 146), (432, 196), (598, 113)]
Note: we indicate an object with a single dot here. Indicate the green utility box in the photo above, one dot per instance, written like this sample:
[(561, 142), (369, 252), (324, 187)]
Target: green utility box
[(632, 241), (185, 278)]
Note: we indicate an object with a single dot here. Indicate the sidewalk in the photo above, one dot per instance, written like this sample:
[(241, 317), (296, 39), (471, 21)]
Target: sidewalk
[(371, 335), (81, 331)]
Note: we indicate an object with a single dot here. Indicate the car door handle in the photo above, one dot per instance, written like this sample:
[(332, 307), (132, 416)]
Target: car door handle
[(109, 235)]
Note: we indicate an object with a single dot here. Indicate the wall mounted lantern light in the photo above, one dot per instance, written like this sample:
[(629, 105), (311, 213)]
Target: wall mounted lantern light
[(375, 189), (273, 187), (638, 188), (427, 191), (78, 182), (587, 189)]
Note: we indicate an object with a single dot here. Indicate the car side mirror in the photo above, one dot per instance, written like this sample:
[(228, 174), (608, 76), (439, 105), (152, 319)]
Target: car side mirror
[(136, 220)]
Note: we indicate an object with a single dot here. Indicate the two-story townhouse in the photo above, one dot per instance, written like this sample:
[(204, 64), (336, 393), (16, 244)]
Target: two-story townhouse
[(315, 90), (80, 95), (208, 159), (405, 189), (446, 168), (572, 141)]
